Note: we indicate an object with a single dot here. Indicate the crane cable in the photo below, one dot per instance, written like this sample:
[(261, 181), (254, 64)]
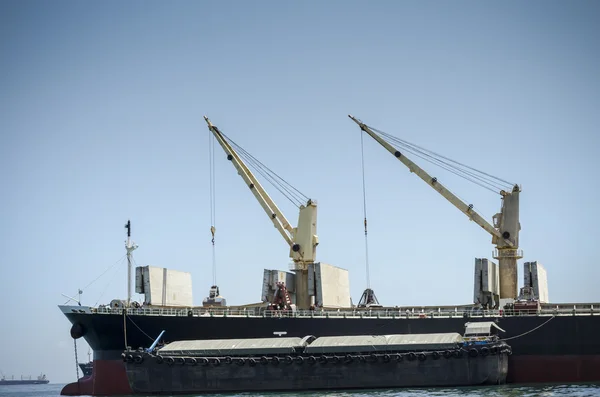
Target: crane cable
[(295, 196), (478, 177), (362, 153), (211, 159)]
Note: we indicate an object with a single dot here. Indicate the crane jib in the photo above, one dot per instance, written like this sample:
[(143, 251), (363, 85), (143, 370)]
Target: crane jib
[(503, 238)]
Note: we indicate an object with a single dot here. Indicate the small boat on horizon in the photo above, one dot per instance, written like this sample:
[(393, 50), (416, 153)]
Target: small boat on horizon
[(40, 380)]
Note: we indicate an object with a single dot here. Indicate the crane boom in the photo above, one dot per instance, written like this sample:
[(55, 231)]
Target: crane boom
[(433, 182), (265, 201), (505, 231), (302, 239)]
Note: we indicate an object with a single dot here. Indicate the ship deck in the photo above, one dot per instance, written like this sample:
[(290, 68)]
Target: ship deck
[(561, 309)]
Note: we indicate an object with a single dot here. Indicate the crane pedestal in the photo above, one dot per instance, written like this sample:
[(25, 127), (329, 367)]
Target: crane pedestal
[(303, 301), (507, 269)]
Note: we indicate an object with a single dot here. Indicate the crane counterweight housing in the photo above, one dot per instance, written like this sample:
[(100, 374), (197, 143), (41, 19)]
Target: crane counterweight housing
[(305, 236), (507, 221)]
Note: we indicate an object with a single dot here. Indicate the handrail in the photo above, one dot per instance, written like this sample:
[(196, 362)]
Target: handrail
[(400, 313)]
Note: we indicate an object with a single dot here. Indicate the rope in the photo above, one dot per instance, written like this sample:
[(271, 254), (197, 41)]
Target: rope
[(362, 153), (295, 196), (110, 282), (211, 160), (438, 159), (286, 189), (258, 164), (450, 168), (125, 326), (213, 212), (101, 274), (415, 147), (214, 256), (530, 331), (141, 330)]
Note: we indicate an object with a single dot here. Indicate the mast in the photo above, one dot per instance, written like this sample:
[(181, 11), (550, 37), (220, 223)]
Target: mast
[(130, 246)]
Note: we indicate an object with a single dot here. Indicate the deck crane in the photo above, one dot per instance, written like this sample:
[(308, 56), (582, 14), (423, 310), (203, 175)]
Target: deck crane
[(504, 231), (302, 239)]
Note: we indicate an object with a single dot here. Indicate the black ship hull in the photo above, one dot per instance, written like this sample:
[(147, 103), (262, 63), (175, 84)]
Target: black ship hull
[(546, 348)]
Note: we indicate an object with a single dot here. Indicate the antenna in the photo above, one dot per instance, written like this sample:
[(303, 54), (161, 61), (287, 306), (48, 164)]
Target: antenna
[(130, 247), (79, 292)]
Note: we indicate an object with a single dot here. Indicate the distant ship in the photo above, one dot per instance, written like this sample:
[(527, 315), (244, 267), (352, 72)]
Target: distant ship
[(87, 368), (41, 380)]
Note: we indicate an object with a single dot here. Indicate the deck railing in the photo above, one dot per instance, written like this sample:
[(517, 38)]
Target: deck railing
[(394, 313)]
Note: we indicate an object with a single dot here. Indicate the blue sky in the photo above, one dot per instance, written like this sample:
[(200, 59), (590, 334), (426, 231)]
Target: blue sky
[(101, 121)]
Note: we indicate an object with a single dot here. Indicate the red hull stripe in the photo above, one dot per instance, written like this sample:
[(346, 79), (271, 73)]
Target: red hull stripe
[(108, 379), (554, 369)]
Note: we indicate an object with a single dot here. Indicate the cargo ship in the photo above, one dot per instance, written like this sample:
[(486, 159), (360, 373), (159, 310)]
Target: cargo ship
[(551, 342), (558, 343), (40, 380)]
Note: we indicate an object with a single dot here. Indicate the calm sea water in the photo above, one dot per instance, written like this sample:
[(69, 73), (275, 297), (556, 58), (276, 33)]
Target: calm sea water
[(576, 390)]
